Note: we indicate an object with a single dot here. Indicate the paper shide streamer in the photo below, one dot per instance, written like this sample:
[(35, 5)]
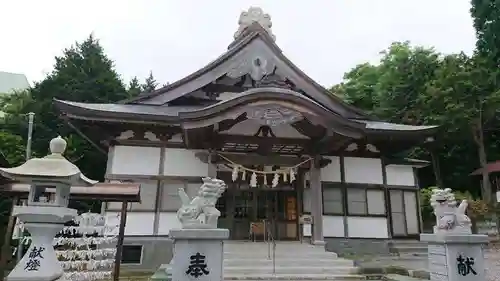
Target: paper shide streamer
[(288, 174)]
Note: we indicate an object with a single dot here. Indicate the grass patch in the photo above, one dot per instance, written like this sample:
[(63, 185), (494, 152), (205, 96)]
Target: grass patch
[(357, 257), (384, 270), (133, 276)]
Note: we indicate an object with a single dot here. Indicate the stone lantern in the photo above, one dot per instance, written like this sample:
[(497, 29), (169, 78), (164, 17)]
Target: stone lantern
[(44, 216)]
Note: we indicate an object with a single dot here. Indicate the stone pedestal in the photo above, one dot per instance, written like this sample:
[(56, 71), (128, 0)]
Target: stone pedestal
[(198, 254), (40, 262), (163, 273), (455, 257)]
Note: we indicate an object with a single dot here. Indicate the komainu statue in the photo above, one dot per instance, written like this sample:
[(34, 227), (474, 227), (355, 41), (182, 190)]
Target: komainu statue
[(450, 219), (202, 204)]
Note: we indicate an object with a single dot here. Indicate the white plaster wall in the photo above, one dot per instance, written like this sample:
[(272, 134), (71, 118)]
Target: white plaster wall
[(168, 221), (250, 128), (400, 175), (411, 215), (183, 163), (306, 200), (332, 171), (363, 170), (307, 230), (367, 227), (138, 223), (135, 160), (333, 226)]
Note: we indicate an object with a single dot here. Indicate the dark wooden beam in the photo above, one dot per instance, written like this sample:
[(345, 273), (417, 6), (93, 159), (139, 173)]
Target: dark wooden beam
[(251, 159), (329, 144), (223, 88), (306, 128), (227, 124), (119, 244), (6, 249), (260, 140)]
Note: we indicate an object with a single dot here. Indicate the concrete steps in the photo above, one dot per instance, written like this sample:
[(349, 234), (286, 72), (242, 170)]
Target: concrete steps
[(293, 277), (410, 247), (289, 255), (293, 261), (290, 262), (295, 270)]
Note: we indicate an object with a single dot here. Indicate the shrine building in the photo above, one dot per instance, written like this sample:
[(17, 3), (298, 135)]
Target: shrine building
[(285, 145)]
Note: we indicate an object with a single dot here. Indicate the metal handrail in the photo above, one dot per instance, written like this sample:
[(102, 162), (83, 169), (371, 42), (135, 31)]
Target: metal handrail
[(270, 240)]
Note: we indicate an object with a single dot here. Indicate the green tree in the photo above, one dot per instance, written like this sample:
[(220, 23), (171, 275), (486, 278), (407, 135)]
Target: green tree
[(12, 148), (134, 88), (82, 73), (467, 110), (85, 74), (413, 85), (150, 83), (486, 20), (359, 87), (391, 89)]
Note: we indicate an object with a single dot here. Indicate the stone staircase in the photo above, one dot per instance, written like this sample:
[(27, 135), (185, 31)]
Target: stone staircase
[(410, 248), (293, 261)]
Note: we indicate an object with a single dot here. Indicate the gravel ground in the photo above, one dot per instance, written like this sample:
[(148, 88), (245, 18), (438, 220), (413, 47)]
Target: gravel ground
[(492, 263), (492, 257)]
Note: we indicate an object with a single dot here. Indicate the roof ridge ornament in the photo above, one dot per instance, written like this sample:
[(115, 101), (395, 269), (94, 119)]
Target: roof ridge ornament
[(254, 14)]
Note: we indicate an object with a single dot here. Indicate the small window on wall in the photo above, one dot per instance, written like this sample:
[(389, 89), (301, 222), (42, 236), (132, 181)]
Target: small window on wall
[(333, 199), (132, 254), (365, 202)]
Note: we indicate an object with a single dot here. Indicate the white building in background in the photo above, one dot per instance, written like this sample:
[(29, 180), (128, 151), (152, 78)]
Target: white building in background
[(12, 81)]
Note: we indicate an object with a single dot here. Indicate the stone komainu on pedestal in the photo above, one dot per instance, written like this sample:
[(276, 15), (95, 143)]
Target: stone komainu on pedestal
[(204, 203), (455, 254), (449, 217), (198, 245)]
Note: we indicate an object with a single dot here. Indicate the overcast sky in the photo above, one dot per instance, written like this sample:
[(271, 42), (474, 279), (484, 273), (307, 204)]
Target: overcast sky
[(173, 38)]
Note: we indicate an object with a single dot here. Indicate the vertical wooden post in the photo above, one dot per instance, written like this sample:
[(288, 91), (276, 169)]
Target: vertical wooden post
[(119, 243), (299, 191), (316, 202), (6, 253)]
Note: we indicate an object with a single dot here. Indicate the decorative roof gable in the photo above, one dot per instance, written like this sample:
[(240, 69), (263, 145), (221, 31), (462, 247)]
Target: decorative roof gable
[(253, 55)]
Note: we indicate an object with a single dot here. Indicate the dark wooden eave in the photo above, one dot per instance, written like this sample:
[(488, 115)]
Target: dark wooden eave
[(206, 116), (108, 192)]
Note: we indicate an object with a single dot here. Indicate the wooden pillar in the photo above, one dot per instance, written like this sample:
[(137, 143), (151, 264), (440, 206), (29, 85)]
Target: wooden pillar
[(212, 167), (299, 189), (419, 203), (316, 202), (119, 243), (160, 184), (387, 197), (345, 202), (6, 253)]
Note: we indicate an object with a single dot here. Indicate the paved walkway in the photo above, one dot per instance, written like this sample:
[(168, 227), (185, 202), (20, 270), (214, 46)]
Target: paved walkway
[(492, 258)]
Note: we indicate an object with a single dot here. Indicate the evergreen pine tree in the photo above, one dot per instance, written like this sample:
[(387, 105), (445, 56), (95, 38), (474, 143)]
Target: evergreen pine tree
[(150, 84)]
